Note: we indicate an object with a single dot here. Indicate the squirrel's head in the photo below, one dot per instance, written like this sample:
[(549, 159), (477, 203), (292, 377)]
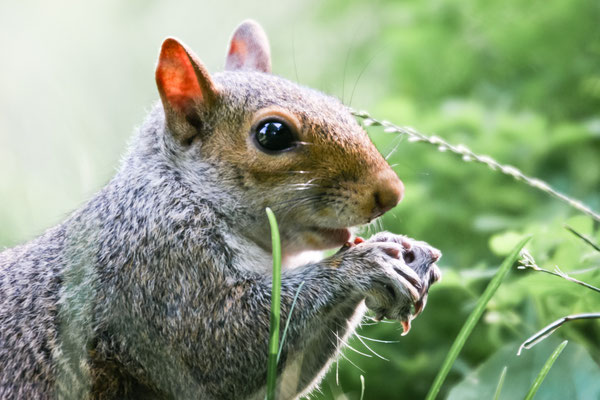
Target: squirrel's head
[(274, 144)]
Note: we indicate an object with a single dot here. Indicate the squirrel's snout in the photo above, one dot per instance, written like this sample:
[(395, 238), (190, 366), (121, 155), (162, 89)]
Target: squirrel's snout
[(388, 192)]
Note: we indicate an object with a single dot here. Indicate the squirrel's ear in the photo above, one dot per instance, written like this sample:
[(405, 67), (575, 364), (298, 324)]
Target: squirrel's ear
[(249, 49), (185, 88)]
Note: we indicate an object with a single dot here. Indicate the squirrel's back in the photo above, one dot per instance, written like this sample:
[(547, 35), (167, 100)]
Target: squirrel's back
[(30, 285)]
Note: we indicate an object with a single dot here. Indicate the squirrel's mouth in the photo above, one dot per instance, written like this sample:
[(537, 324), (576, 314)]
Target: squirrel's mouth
[(334, 236), (314, 238)]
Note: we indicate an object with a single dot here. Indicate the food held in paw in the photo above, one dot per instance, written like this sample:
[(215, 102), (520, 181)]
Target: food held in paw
[(358, 240)]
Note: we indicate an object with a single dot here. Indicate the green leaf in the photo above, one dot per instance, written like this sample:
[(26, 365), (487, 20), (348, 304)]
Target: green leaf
[(574, 376)]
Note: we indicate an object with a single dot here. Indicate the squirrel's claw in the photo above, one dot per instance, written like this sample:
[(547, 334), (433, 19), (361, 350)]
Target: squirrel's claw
[(405, 326)]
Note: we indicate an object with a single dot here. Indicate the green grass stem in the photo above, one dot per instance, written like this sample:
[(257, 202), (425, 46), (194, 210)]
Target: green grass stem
[(500, 383), (287, 322), (544, 371), (275, 307), (469, 325)]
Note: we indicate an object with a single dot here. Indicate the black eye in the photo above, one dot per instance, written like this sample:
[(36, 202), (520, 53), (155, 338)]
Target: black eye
[(273, 135)]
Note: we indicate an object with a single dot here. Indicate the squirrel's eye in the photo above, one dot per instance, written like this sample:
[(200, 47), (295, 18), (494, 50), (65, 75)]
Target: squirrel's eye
[(274, 135)]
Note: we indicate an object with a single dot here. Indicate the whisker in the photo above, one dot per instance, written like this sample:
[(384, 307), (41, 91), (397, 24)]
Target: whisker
[(352, 42), (337, 364), (347, 359), (289, 172), (341, 353), (310, 196), (286, 206), (345, 66), (383, 321), (370, 349), (294, 53), (337, 371), (378, 340), (350, 347), (284, 209), (301, 185), (360, 74), (399, 139)]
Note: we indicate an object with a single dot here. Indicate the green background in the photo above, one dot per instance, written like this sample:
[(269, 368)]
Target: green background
[(516, 80)]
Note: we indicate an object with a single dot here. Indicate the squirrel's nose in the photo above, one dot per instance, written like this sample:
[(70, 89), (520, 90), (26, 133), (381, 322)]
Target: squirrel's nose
[(388, 192)]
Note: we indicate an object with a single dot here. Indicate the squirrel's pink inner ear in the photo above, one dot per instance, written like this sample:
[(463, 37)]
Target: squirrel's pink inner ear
[(249, 49), (182, 81)]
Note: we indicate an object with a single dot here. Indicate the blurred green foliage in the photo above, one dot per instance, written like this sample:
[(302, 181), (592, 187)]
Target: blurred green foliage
[(562, 382), (517, 80), (521, 83)]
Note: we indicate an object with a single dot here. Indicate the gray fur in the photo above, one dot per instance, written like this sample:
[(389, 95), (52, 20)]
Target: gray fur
[(159, 287)]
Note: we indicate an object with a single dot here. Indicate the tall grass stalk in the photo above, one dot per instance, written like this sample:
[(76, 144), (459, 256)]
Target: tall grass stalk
[(468, 155), (287, 322), (544, 371), (275, 307), (500, 383), (469, 325)]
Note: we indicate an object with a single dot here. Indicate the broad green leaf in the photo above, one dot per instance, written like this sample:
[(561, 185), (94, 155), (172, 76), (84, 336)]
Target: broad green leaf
[(574, 376)]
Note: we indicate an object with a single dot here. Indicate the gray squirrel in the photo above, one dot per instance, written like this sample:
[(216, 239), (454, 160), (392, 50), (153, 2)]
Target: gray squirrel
[(159, 287)]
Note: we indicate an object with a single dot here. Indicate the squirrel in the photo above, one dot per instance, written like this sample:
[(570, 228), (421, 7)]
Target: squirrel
[(159, 287)]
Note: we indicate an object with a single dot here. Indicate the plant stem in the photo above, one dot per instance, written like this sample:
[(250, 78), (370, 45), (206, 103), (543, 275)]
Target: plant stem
[(275, 307), (561, 274), (468, 155), (287, 322), (469, 325), (500, 383), (549, 329), (544, 371), (583, 237)]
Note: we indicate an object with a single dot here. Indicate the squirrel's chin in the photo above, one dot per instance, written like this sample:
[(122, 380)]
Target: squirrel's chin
[(313, 239), (341, 235), (326, 238)]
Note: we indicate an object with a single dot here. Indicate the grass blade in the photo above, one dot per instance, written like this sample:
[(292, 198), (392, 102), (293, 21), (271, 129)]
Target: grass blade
[(467, 328), (583, 237), (287, 322), (544, 371), (275, 307), (500, 383)]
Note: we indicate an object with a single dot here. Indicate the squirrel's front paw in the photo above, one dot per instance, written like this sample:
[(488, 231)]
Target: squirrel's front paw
[(402, 270), (420, 257)]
